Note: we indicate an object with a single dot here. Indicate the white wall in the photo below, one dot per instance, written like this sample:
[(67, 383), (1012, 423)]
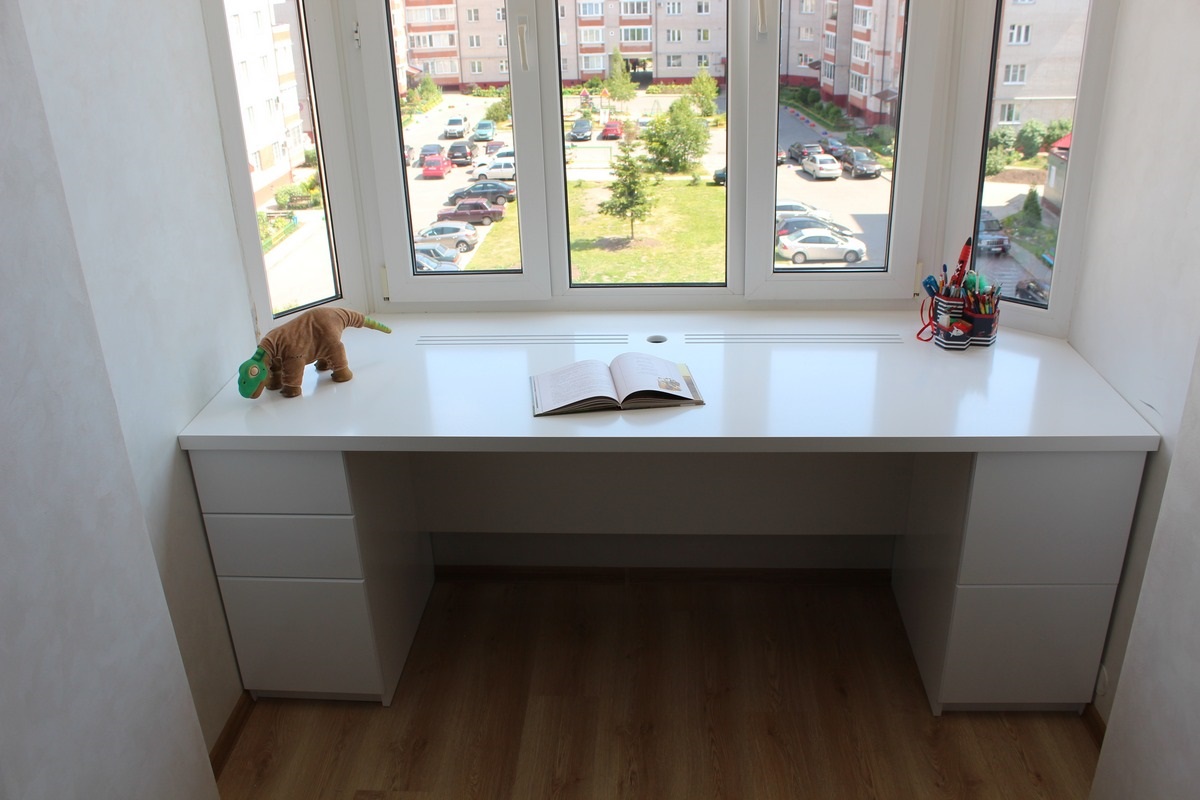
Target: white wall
[(132, 119), (94, 701), (1130, 325)]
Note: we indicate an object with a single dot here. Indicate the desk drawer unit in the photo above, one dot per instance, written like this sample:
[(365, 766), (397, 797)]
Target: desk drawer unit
[(305, 614)]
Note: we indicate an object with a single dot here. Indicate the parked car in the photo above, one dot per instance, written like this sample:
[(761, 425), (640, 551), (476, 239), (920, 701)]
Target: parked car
[(502, 153), (834, 147), (408, 155), (477, 212), (463, 153), (438, 252), (456, 128), (819, 244), (991, 238), (794, 208), (485, 131), (861, 162), (568, 152), (504, 169), (581, 131), (423, 263), (720, 175), (613, 129), (822, 165), (780, 157), (462, 236), (428, 150), (494, 146), (798, 150), (792, 224), (495, 192), (436, 167)]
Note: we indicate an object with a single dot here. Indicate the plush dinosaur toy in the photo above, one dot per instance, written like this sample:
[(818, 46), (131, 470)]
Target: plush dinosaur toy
[(282, 355)]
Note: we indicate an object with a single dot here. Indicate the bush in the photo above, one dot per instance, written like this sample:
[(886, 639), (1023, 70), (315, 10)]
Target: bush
[(885, 135), (654, 88), (997, 159), (1056, 130), (1004, 137), (310, 157), (1029, 140)]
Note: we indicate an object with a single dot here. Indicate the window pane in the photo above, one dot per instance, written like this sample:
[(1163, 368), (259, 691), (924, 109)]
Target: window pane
[(457, 134), (1035, 79), (283, 151), (840, 68), (643, 103)]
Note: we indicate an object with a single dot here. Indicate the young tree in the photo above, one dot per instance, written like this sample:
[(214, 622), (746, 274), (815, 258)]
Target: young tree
[(677, 139), (1031, 209), (631, 196), (619, 84), (703, 90), (431, 93), (500, 110), (1029, 140)]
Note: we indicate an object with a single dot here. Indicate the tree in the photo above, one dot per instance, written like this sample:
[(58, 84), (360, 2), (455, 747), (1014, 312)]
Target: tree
[(1031, 209), (703, 91), (1056, 130), (431, 93), (619, 84), (1029, 140), (1003, 136), (631, 196), (500, 110), (677, 139)]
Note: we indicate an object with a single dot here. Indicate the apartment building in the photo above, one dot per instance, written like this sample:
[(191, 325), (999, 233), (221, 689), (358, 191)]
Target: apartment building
[(1037, 68)]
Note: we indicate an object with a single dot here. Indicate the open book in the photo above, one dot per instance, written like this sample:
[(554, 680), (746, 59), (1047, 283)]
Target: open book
[(631, 380)]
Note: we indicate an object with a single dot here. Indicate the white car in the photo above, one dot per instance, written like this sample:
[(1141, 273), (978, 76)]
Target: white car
[(822, 165), (794, 208), (500, 155), (820, 244), (504, 169)]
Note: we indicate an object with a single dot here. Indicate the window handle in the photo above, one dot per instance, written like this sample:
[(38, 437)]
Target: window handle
[(522, 24), (762, 17)]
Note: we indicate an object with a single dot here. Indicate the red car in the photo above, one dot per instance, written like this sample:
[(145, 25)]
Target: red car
[(436, 167), (477, 212), (613, 129)]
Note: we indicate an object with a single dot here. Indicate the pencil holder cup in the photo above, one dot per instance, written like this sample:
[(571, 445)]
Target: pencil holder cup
[(950, 332), (983, 327)]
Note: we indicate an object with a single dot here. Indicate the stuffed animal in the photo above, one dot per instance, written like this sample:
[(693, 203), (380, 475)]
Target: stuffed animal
[(282, 355)]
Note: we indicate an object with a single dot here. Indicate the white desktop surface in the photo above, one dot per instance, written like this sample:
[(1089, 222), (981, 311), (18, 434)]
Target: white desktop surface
[(772, 381)]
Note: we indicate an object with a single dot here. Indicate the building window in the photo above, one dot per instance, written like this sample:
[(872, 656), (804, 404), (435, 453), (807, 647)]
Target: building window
[(858, 83), (862, 17), (1014, 73), (860, 50), (830, 41), (675, 61), (674, 8), (674, 35), (503, 65), (502, 40), (472, 15), (703, 7), (1008, 115), (591, 35), (808, 6), (807, 33), (635, 8), (591, 9), (476, 67), (501, 14), (635, 34), (1018, 34), (702, 60)]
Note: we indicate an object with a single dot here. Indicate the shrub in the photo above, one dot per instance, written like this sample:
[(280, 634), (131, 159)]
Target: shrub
[(1029, 140), (1031, 209), (997, 159), (654, 88), (310, 157), (1056, 130), (1004, 137)]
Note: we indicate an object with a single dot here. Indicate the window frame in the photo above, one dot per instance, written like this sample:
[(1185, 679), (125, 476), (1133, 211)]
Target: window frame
[(951, 111)]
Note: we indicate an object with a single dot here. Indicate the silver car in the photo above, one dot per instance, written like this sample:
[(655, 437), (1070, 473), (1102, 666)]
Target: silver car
[(462, 236), (820, 244)]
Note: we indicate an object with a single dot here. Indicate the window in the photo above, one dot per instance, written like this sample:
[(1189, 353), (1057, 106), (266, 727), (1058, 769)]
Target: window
[(1018, 34), (635, 8), (1017, 236), (576, 257), (501, 40), (703, 7), (501, 14)]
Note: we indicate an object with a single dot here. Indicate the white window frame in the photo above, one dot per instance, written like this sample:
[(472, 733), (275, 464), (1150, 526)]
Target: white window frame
[(635, 8), (591, 35), (674, 35), (935, 198), (1008, 114), (807, 7), (860, 50), (703, 7), (858, 83), (1014, 74), (637, 34), (475, 67), (472, 15), (585, 62), (703, 35), (702, 60), (674, 8), (806, 33), (474, 40), (1019, 34), (674, 61), (590, 8)]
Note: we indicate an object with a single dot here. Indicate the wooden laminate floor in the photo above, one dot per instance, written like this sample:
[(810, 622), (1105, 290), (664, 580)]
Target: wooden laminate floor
[(661, 689)]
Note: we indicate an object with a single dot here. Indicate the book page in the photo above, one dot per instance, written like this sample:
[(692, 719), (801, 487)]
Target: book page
[(638, 372), (571, 384)]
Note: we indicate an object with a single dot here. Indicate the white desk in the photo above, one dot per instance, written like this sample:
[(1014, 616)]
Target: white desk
[(324, 572)]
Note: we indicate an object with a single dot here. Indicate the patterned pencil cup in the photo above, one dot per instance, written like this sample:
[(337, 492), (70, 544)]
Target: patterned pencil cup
[(948, 329), (983, 327)]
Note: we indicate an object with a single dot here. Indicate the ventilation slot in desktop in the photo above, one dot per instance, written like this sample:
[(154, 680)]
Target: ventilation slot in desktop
[(828, 337), (523, 339)]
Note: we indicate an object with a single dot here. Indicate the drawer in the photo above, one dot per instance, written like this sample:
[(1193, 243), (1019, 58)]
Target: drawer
[(302, 636), (1049, 518), (1025, 644), (283, 546), (277, 482)]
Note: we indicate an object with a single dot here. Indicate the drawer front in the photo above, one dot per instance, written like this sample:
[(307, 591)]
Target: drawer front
[(1025, 644), (1049, 518), (281, 482), (302, 636), (283, 546)]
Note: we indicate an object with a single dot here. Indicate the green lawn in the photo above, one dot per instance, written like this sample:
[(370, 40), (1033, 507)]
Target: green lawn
[(683, 241)]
